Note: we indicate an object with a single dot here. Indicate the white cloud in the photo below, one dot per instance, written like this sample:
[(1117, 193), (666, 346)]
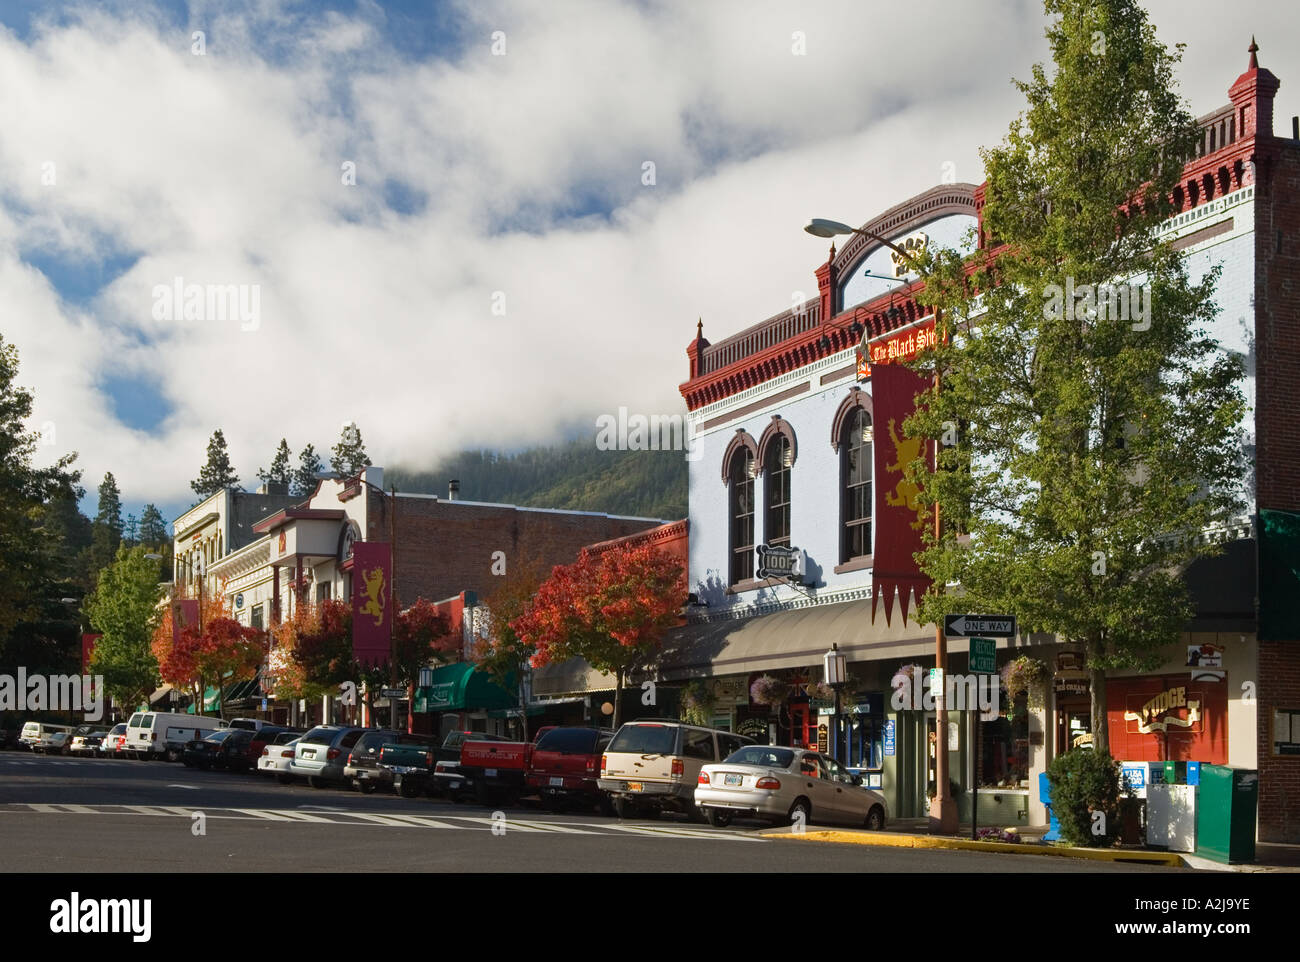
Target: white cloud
[(226, 169)]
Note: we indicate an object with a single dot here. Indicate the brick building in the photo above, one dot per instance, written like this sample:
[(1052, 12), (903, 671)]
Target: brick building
[(783, 419)]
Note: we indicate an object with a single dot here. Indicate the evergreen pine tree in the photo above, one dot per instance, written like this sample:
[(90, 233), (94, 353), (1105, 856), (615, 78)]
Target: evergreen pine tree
[(349, 455), (153, 529), (106, 530), (309, 469), (280, 472), (217, 473)]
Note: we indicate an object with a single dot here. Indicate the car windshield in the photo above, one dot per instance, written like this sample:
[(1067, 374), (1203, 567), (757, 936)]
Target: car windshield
[(118, 729), (220, 736), (577, 741), (761, 755), (645, 740), (320, 736)]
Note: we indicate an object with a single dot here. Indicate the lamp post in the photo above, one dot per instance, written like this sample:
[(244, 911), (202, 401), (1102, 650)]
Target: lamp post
[(833, 665), (943, 810)]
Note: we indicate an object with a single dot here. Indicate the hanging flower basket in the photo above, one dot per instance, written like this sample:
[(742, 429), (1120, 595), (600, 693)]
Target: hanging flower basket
[(697, 701), (820, 691), (769, 690), (1025, 675)]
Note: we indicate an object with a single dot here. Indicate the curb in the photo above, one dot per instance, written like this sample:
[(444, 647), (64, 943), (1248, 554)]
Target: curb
[(898, 840)]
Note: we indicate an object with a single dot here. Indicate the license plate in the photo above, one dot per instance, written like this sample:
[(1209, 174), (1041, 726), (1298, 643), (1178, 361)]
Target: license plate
[(732, 780), (490, 773), (308, 753), (634, 786), (557, 782)]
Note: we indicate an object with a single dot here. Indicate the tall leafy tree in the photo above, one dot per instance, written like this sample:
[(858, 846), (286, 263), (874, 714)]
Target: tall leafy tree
[(217, 473), (1095, 443), (349, 455), (280, 471), (307, 473), (611, 609), (30, 560), (124, 609)]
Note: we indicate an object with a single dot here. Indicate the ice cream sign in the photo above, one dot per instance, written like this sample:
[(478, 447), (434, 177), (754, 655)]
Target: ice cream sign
[(1171, 709)]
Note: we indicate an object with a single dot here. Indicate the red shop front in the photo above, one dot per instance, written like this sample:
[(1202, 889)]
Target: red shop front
[(1168, 717)]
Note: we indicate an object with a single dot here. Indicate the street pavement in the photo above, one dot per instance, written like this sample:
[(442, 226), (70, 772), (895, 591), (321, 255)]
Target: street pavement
[(62, 814)]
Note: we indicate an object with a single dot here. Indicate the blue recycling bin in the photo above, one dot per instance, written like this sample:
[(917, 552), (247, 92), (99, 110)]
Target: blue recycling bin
[(1045, 796)]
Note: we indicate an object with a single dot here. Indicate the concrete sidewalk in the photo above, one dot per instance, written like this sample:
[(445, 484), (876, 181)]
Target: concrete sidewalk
[(913, 833)]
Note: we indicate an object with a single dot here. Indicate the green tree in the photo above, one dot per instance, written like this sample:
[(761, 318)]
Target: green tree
[(1095, 444), (106, 529), (307, 473), (349, 455), (217, 474), (30, 561), (153, 528), (124, 609), (280, 472), (503, 654)]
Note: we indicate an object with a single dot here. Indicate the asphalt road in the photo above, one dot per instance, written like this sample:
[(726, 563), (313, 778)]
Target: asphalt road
[(96, 815)]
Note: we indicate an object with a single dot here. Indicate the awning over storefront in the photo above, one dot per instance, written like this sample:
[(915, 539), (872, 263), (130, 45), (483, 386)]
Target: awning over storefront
[(459, 687), (794, 638)]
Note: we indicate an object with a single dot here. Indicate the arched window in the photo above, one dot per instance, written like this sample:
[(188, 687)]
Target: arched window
[(776, 483), (740, 482), (855, 484)]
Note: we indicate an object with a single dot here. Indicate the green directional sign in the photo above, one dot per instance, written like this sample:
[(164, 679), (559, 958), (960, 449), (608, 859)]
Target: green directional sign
[(983, 656)]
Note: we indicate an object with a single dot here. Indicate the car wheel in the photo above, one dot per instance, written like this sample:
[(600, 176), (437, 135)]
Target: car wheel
[(801, 805), (173, 755), (408, 789), (876, 819), (284, 779), (717, 817), (622, 807)]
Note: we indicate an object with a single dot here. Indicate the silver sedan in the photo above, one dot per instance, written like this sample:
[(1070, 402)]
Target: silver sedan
[(787, 785)]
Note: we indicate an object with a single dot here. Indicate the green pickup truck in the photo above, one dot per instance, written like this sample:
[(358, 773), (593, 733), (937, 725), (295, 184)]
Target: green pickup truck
[(420, 770)]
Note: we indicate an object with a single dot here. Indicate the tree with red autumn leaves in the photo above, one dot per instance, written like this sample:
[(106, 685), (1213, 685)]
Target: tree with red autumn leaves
[(611, 609), (223, 652)]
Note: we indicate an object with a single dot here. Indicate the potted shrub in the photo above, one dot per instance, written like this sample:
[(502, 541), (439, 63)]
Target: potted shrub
[(1085, 781)]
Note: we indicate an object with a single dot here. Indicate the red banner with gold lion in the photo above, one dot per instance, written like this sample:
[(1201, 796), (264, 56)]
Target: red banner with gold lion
[(894, 569), (372, 609)]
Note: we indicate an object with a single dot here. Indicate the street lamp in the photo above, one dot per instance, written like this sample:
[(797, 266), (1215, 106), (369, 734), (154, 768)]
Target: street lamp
[(833, 670), (943, 812)]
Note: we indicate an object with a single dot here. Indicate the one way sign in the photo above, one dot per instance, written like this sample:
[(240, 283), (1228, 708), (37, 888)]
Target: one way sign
[(980, 626)]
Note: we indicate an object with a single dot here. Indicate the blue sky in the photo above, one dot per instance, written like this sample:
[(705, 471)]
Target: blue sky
[(498, 270)]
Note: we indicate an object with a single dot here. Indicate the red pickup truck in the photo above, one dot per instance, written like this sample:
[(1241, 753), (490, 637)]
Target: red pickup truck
[(496, 770), (565, 767)]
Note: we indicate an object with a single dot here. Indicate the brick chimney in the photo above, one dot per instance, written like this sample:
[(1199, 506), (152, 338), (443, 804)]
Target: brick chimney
[(453, 490)]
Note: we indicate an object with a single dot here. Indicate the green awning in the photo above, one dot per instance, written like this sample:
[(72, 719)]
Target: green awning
[(209, 700), (1279, 575), (460, 687)]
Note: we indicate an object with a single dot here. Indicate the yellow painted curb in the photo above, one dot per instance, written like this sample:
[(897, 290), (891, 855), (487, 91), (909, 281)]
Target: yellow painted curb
[(895, 840)]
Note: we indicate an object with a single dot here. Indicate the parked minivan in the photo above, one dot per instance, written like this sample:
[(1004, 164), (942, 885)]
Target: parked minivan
[(38, 736), (653, 766), (165, 734)]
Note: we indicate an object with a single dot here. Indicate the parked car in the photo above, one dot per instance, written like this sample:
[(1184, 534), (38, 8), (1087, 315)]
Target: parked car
[(777, 784), (363, 767), (447, 777), (266, 735), (36, 735), (565, 767), (165, 734), (275, 757), (87, 744), (253, 724), (56, 744), (227, 749), (496, 769), (110, 746), (653, 766), (321, 755)]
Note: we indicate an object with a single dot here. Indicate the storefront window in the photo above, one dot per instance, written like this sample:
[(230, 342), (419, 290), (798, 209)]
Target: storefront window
[(1004, 748)]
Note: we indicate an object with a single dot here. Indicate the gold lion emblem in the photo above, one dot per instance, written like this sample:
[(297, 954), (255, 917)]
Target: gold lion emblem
[(906, 450), (374, 582)]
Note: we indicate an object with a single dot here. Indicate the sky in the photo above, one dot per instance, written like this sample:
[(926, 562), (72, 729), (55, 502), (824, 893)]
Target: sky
[(464, 224)]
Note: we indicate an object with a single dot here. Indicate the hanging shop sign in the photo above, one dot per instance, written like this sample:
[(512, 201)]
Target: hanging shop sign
[(895, 347), (1070, 685), (891, 742), (778, 561), (823, 738), (1206, 662)]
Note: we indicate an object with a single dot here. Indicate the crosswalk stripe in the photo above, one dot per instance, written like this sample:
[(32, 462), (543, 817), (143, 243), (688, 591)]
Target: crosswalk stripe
[(550, 827), (479, 820), (47, 809), (267, 814), (299, 817), (401, 821), (78, 809)]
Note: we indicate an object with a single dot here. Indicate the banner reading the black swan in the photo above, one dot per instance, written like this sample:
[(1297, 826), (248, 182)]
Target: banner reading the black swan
[(372, 583), (893, 397)]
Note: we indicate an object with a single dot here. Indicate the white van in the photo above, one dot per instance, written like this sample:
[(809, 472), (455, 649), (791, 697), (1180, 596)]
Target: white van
[(158, 733), (36, 736)]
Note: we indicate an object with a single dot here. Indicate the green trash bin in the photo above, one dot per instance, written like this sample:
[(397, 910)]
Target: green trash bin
[(1175, 773), (1226, 801)]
